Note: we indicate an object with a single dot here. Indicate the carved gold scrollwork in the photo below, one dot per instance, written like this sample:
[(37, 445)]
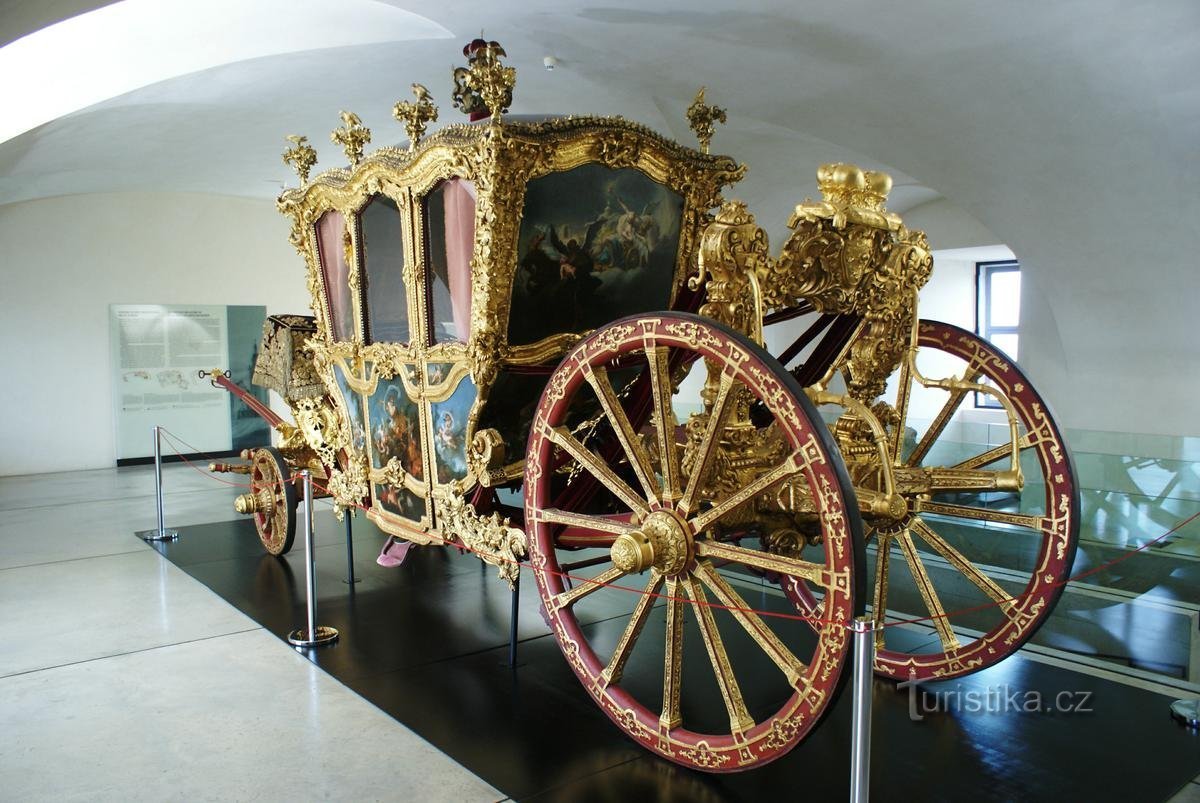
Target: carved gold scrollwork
[(348, 485), (320, 427), (486, 457), (733, 253), (491, 538)]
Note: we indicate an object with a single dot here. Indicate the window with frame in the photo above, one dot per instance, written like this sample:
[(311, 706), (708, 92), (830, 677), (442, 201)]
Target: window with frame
[(998, 295)]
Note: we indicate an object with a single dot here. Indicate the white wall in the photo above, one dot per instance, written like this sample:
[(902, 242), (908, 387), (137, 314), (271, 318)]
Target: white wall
[(67, 258)]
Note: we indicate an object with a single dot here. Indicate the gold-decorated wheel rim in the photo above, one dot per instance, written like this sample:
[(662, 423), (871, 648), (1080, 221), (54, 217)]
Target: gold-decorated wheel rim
[(651, 524), (981, 569), (271, 500)]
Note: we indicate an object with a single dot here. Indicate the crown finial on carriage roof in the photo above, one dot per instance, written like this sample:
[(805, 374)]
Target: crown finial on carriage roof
[(850, 184), (703, 119), (416, 115), (300, 156), (352, 136), (484, 86)]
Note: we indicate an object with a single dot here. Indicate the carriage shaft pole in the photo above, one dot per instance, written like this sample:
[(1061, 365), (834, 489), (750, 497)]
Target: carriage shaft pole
[(860, 739)]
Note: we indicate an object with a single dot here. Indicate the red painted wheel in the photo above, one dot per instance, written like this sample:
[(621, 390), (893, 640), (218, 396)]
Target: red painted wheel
[(271, 501), (623, 485), (993, 558)]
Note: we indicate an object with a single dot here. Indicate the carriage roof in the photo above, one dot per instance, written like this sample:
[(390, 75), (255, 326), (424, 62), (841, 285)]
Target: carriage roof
[(509, 166)]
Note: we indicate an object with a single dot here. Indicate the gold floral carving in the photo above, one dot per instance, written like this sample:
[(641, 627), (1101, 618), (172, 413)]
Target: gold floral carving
[(416, 115), (348, 485), (702, 118), (301, 156), (491, 538), (352, 136), (484, 84)]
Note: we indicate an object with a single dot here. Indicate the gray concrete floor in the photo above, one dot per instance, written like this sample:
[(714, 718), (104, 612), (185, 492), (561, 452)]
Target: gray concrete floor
[(121, 678)]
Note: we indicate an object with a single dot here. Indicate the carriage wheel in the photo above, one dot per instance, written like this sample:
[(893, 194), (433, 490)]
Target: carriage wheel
[(688, 563), (994, 558), (272, 500)]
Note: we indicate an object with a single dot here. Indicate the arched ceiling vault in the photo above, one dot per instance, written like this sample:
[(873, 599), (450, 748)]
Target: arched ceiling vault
[(1069, 129)]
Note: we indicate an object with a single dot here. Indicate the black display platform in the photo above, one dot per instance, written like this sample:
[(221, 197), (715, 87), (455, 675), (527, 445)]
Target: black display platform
[(428, 644)]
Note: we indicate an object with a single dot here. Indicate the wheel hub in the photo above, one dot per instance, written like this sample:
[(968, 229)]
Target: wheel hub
[(663, 542)]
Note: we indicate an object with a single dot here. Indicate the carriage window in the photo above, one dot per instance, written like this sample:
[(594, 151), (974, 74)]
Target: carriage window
[(333, 241), (383, 266), (596, 244), (450, 239)]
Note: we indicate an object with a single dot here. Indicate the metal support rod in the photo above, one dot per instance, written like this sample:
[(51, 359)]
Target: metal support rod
[(350, 578), (315, 635), (860, 739), (162, 533), (512, 623)]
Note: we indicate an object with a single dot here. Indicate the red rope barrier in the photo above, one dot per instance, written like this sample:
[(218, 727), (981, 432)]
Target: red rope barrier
[(590, 581), (176, 440), (1094, 570), (719, 606)]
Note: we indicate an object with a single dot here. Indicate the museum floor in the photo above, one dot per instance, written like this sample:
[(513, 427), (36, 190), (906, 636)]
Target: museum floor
[(124, 676)]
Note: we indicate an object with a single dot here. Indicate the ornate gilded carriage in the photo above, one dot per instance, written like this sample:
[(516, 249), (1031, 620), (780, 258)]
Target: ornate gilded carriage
[(551, 311)]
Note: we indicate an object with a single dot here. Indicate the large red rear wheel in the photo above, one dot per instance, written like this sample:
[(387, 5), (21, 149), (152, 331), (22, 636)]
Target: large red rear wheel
[(981, 567), (689, 560)]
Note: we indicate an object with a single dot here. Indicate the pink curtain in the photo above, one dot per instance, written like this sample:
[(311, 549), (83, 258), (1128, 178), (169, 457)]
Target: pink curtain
[(331, 228), (458, 198)]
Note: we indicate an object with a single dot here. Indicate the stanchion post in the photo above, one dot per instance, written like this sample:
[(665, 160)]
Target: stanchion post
[(162, 533), (512, 623), (1187, 712), (315, 635), (860, 739)]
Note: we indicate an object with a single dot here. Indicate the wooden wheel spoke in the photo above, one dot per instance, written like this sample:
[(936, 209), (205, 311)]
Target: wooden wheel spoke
[(965, 567), (773, 477), (637, 621), (708, 446), (939, 422), (664, 420), (992, 455), (584, 521), (673, 658), (597, 468), (587, 586), (791, 666), (634, 451), (740, 720), (984, 514), (813, 572), (925, 585)]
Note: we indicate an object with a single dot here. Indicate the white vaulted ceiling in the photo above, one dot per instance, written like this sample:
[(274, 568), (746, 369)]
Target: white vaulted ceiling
[(1068, 129)]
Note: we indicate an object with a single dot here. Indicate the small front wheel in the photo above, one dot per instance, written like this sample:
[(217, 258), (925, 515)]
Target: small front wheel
[(271, 500)]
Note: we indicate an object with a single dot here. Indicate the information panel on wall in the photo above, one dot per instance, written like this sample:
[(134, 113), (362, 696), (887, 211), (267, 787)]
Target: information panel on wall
[(158, 351)]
